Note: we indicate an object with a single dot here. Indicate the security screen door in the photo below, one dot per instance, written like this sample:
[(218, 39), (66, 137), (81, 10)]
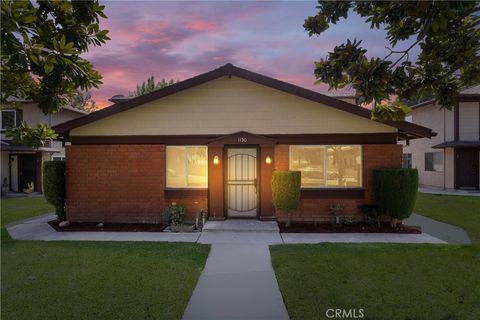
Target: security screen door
[(242, 182)]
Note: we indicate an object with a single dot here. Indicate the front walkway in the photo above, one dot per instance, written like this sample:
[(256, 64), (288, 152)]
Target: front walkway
[(238, 282), (449, 192), (38, 229), (440, 230)]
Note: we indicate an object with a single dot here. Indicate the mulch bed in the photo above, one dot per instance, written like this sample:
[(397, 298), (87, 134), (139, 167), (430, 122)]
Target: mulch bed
[(107, 227), (331, 228)]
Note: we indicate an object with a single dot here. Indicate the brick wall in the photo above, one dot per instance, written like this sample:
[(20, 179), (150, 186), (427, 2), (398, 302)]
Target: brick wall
[(115, 183), (123, 183), (317, 209)]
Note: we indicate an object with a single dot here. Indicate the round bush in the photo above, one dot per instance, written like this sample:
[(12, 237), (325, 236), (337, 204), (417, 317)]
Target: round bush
[(54, 185), (286, 186), (395, 191)]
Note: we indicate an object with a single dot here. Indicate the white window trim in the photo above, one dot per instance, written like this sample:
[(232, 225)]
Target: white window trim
[(186, 166), (14, 118), (325, 146)]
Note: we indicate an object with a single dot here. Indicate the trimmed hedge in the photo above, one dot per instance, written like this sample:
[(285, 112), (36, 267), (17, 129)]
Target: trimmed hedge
[(54, 185), (395, 191), (286, 187)]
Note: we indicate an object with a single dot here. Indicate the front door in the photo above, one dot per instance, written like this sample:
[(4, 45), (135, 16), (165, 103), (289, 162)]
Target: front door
[(242, 194), (467, 168), (27, 170)]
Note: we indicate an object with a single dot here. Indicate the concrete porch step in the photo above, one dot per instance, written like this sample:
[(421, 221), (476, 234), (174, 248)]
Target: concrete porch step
[(241, 225)]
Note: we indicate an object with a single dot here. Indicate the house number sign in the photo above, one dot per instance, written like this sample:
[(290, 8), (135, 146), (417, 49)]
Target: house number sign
[(242, 140)]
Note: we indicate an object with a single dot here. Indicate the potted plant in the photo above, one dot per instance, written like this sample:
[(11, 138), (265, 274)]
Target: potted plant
[(30, 188), (336, 210), (176, 217)]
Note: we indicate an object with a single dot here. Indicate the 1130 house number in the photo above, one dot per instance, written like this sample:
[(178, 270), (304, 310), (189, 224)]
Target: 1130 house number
[(242, 140)]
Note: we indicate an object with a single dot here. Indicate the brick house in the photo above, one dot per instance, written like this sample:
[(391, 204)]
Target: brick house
[(212, 142)]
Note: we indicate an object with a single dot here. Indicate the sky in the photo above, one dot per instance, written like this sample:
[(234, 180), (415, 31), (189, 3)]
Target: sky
[(178, 40)]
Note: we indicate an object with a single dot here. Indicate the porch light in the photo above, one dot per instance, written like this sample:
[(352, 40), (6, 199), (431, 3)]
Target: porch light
[(268, 160), (216, 160)]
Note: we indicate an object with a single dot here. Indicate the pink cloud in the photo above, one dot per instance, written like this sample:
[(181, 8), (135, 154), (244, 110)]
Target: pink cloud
[(203, 25)]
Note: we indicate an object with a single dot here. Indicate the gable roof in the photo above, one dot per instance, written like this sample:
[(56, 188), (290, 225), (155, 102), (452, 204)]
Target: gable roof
[(407, 130), (466, 95)]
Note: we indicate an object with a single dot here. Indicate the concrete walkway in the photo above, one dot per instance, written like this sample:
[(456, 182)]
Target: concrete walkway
[(449, 192), (238, 282), (440, 230), (37, 228)]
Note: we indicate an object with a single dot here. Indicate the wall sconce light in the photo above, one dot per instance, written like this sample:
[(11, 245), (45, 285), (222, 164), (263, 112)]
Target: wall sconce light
[(268, 160), (216, 160)]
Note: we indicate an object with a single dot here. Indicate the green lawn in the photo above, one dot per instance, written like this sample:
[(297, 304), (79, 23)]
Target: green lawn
[(462, 211), (388, 281), (14, 209), (94, 280)]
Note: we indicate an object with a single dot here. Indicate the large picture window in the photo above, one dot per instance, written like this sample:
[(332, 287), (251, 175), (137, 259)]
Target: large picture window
[(187, 167), (328, 166)]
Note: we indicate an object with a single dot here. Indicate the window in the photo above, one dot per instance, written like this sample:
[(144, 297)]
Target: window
[(434, 161), (9, 119), (407, 160), (187, 167), (328, 166), (58, 158)]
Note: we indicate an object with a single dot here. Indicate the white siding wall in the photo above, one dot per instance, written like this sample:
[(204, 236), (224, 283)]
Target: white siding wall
[(440, 121), (468, 121)]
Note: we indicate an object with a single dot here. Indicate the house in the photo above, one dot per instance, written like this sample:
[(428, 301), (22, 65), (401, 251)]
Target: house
[(212, 142), (449, 160), (21, 165)]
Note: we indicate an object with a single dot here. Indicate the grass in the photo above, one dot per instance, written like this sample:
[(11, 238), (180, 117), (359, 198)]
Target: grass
[(462, 211), (94, 280), (388, 281), (14, 209)]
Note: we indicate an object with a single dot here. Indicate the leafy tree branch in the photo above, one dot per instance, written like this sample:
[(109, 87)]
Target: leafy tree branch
[(446, 33)]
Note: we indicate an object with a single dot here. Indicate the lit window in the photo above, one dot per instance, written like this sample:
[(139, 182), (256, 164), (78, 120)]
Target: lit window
[(187, 167), (328, 166), (434, 161)]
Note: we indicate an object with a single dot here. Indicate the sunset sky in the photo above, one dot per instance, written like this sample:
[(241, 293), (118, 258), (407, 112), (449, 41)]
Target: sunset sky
[(182, 39)]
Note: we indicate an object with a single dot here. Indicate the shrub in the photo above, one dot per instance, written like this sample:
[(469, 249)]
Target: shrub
[(286, 187), (371, 213), (54, 185), (395, 191), (175, 213)]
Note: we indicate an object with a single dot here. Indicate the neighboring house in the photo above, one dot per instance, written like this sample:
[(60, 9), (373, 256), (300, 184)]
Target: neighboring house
[(212, 142), (20, 164), (449, 160)]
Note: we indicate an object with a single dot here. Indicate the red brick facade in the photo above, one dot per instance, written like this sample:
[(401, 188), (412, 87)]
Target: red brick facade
[(121, 183), (316, 209), (126, 183)]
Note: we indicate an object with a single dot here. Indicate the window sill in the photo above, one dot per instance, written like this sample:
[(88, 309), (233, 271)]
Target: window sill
[(333, 193), (181, 192)]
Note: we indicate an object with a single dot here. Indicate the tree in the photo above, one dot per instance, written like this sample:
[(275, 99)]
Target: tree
[(150, 86), (83, 100), (41, 46), (445, 32)]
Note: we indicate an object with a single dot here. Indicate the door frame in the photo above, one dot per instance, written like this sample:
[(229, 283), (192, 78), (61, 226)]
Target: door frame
[(457, 169), (225, 178)]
